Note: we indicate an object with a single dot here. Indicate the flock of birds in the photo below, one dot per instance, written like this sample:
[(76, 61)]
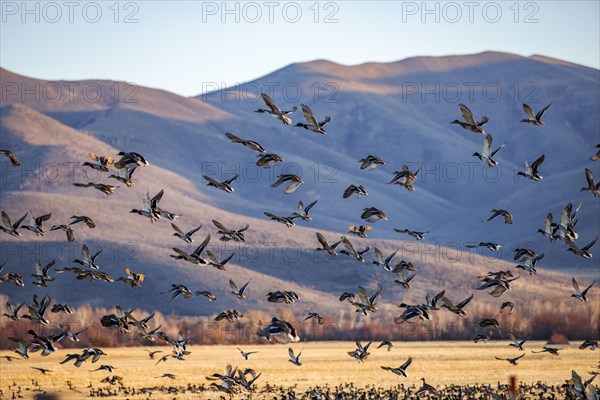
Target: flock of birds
[(234, 380)]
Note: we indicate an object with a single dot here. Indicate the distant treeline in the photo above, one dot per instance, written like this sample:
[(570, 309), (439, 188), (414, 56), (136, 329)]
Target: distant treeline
[(569, 320)]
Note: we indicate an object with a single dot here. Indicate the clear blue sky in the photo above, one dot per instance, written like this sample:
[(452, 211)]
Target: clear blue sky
[(179, 46)]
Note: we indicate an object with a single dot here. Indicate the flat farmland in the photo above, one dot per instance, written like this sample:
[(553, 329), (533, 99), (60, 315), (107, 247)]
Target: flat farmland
[(440, 363)]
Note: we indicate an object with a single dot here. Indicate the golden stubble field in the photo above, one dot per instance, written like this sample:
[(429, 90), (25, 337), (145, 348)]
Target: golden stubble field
[(440, 363)]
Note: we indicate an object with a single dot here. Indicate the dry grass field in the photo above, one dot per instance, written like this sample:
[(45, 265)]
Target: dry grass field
[(441, 363)]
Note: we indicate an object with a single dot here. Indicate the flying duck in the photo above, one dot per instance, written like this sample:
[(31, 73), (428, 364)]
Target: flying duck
[(381, 262), (582, 252), (129, 160), (359, 190), (360, 231), (316, 316), (513, 361), (100, 163), (108, 190), (458, 308), (401, 370), (312, 125), (268, 160), (580, 295), (414, 234), (86, 260), (405, 178), (534, 119), (230, 234), (246, 354), (82, 218), (294, 359), (67, 229), (470, 124), (252, 145), (366, 304), (274, 111), (278, 330), (225, 185), (13, 158), (294, 182), (351, 251), (35, 224), (8, 227), (596, 156), (531, 171), (373, 214), (239, 293), (125, 175), (303, 211), (287, 221), (186, 237), (496, 213), (592, 187), (371, 162), (486, 155), (325, 247)]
